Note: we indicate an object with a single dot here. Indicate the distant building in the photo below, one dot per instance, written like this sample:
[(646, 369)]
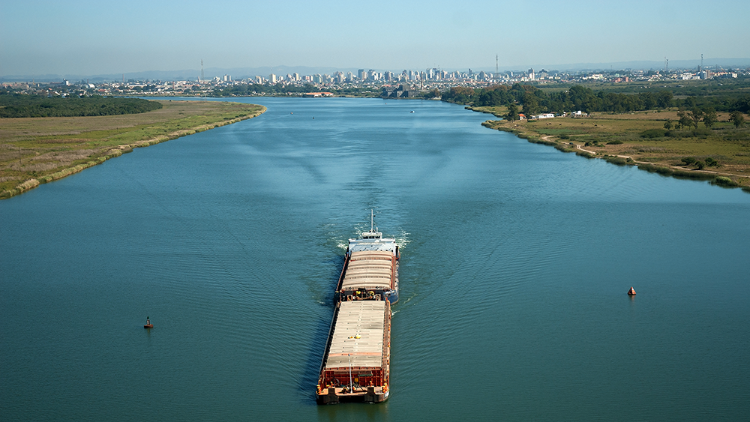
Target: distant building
[(272, 78)]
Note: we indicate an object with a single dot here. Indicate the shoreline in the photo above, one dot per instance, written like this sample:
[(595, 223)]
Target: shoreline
[(119, 150), (714, 177)]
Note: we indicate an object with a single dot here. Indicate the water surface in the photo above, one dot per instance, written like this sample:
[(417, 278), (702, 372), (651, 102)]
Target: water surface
[(516, 260)]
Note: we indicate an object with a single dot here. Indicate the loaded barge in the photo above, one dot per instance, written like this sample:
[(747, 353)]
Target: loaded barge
[(356, 362)]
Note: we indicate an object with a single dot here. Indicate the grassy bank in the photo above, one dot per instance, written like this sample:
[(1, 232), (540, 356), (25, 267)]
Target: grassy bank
[(720, 154), (40, 150)]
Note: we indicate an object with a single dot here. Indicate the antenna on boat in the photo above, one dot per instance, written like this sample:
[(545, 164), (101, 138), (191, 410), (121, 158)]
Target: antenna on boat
[(372, 218)]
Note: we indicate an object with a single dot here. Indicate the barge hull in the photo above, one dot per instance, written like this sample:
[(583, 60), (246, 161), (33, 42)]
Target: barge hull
[(356, 363)]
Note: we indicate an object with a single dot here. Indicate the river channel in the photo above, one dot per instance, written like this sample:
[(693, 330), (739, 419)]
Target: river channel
[(516, 260)]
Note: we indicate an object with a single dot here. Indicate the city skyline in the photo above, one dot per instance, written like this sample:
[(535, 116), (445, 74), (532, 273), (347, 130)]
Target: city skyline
[(87, 38)]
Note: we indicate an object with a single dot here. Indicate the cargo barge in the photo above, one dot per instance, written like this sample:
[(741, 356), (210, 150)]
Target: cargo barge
[(356, 362)]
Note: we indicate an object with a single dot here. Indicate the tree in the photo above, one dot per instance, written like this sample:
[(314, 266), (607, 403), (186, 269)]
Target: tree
[(710, 117), (512, 114), (668, 124), (664, 99), (684, 119), (688, 160), (696, 115), (435, 93), (530, 105), (699, 164), (737, 118)]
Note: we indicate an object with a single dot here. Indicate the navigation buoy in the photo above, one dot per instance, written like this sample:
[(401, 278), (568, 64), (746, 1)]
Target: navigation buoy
[(148, 323), (631, 292)]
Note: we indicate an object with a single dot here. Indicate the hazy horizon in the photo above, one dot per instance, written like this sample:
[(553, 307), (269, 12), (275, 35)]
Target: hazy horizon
[(86, 38)]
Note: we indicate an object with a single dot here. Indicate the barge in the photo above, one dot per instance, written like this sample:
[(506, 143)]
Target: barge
[(356, 362)]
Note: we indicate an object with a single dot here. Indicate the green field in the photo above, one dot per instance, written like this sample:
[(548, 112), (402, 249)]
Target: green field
[(40, 150), (723, 150)]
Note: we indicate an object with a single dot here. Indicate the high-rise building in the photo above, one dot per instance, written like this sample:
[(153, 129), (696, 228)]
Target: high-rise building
[(361, 75), (272, 78)]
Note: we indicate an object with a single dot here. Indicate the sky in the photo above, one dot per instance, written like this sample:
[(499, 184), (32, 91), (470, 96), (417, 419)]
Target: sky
[(87, 37)]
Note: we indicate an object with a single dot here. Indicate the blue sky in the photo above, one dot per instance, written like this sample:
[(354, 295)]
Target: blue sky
[(98, 37)]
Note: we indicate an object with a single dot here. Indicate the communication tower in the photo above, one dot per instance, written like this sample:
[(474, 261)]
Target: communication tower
[(497, 66), (666, 65), (202, 76), (701, 69)]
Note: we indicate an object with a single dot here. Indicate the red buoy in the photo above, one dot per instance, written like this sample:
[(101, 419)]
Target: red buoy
[(150, 325), (631, 292)]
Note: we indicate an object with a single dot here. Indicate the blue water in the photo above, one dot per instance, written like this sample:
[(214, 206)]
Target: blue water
[(516, 260)]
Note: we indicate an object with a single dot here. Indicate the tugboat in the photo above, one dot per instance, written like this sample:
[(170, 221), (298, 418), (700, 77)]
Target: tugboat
[(371, 267)]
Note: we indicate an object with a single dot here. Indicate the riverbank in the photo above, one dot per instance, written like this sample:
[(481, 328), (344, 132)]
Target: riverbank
[(720, 154), (34, 151)]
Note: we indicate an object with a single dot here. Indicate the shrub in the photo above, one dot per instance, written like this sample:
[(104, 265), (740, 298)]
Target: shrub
[(564, 136), (724, 181), (616, 160), (688, 160), (699, 165), (653, 133), (614, 143)]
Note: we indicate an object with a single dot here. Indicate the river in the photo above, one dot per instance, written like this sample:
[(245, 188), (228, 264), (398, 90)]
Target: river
[(516, 260)]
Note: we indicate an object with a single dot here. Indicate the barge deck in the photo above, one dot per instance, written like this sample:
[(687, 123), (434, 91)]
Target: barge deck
[(357, 360)]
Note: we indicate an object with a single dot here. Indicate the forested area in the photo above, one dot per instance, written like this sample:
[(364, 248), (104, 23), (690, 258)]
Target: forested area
[(535, 100), (19, 105)]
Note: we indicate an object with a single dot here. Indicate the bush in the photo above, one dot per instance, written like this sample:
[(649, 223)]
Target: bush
[(620, 161), (699, 165), (725, 181), (564, 136), (653, 133), (614, 143), (688, 160)]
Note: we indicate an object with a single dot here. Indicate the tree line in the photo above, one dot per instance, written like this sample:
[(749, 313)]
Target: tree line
[(534, 100), (20, 105)]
